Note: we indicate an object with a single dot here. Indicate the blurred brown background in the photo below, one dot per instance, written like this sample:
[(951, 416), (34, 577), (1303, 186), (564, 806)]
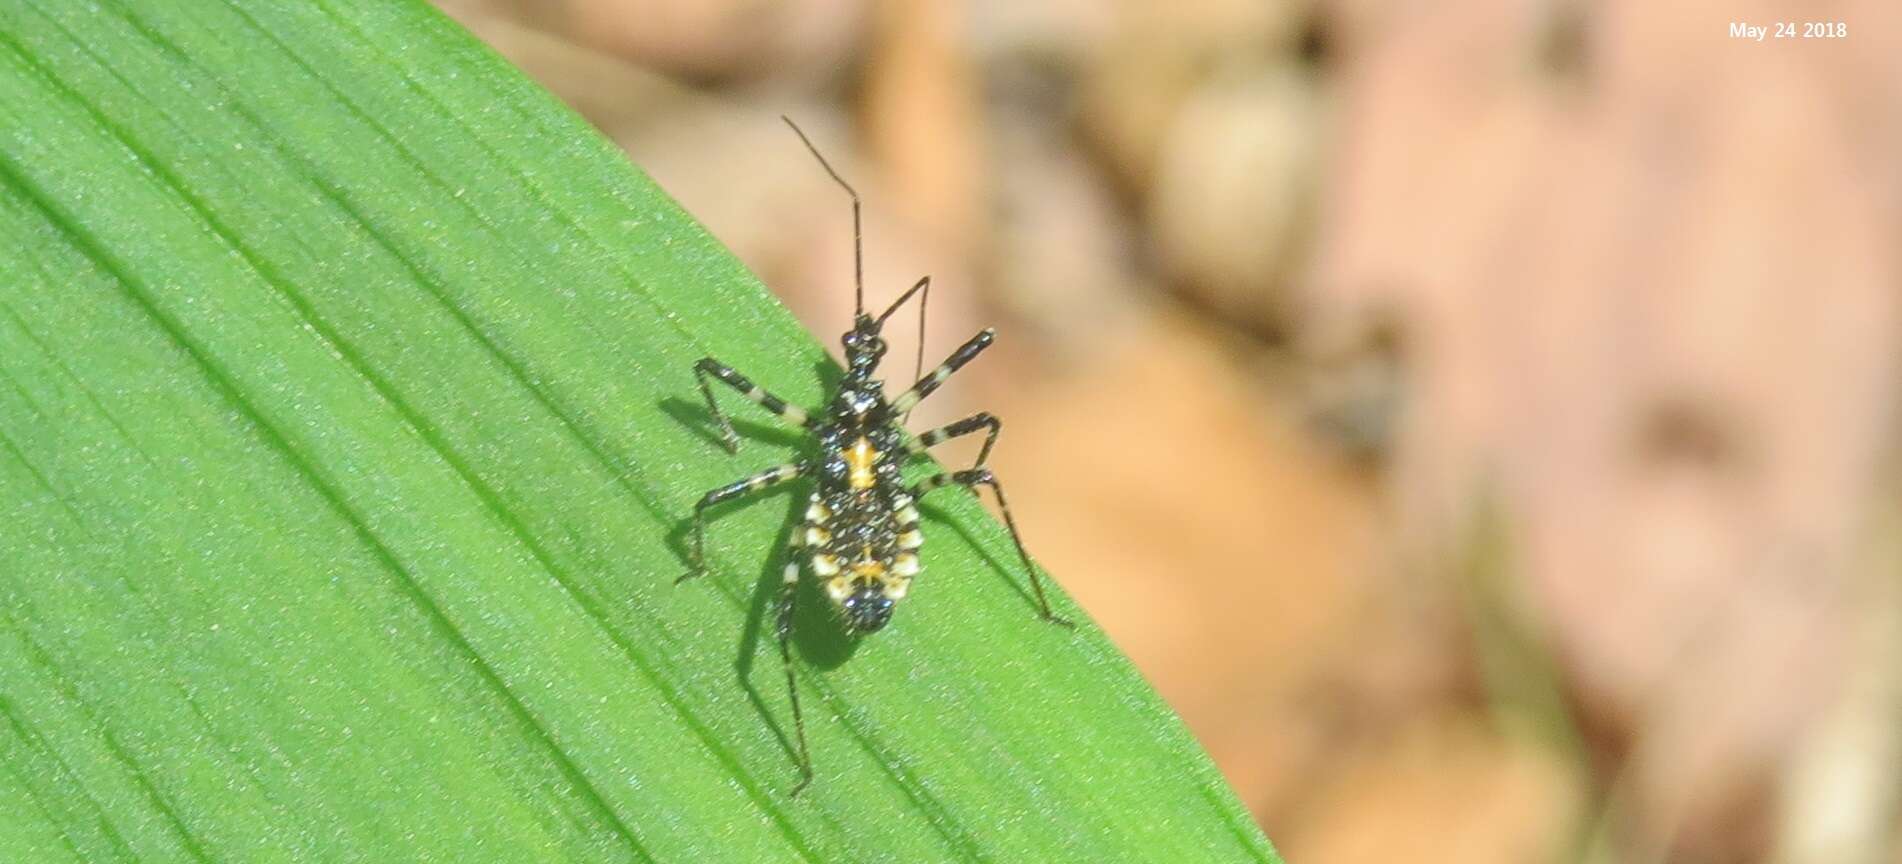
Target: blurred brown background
[(1475, 418)]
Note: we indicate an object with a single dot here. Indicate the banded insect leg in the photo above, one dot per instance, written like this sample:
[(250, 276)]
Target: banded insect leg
[(783, 628), (764, 479), (979, 421), (971, 479), (967, 352), (714, 369)]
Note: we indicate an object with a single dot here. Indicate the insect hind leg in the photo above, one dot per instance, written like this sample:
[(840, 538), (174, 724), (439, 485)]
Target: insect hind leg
[(973, 478), (783, 628)]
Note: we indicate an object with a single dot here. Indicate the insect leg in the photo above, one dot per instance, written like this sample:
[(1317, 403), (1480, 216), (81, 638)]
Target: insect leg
[(762, 480), (783, 626), (971, 479), (711, 368), (981, 420), (965, 354)]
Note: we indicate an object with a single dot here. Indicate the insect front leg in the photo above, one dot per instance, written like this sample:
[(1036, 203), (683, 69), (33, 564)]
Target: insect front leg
[(783, 627), (965, 354), (981, 420), (971, 479), (714, 369), (762, 480)]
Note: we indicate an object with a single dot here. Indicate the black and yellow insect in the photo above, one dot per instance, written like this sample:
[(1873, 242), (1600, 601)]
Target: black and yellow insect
[(861, 533)]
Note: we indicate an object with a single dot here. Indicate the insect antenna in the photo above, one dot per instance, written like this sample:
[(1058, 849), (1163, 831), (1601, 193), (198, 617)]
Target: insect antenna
[(858, 242), (924, 301)]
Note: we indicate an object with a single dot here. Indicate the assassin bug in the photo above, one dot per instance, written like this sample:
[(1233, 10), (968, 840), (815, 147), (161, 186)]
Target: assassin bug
[(860, 537)]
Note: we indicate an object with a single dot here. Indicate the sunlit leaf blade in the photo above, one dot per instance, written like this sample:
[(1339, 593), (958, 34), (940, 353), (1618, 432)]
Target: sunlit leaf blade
[(346, 431)]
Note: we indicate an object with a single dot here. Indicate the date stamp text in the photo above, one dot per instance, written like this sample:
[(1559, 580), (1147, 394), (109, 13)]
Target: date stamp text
[(1789, 30)]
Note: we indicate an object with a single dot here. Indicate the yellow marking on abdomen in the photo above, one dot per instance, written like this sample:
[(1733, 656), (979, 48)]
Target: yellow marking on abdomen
[(867, 566), (859, 459)]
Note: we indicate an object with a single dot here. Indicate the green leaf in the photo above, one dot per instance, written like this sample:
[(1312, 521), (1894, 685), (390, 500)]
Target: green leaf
[(347, 431)]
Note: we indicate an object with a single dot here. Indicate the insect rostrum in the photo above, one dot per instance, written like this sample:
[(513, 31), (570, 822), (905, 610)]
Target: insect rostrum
[(861, 535)]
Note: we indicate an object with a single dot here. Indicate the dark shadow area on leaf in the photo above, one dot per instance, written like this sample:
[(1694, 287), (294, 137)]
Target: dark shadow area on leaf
[(693, 415), (818, 642), (830, 373), (1011, 570), (759, 615)]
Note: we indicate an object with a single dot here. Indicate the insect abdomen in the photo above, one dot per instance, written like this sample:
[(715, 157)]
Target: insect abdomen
[(864, 550)]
